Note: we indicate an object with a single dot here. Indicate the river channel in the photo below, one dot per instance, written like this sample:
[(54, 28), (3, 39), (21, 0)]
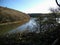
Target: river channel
[(31, 26)]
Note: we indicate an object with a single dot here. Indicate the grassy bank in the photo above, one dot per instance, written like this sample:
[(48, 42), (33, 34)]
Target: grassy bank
[(7, 27), (10, 19)]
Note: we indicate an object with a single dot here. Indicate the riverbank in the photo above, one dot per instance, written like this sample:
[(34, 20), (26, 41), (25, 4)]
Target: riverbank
[(10, 19), (5, 27)]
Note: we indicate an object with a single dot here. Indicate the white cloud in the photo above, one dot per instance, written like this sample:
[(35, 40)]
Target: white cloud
[(42, 7)]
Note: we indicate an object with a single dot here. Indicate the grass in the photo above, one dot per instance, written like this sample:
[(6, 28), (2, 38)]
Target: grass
[(11, 15), (10, 19), (9, 26)]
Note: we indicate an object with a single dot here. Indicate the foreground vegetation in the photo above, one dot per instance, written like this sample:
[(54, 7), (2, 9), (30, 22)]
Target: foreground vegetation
[(32, 38)]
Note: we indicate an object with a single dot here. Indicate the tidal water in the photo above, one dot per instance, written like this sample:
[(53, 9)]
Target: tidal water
[(31, 26)]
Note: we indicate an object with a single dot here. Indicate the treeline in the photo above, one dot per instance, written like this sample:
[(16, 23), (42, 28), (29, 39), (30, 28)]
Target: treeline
[(39, 14)]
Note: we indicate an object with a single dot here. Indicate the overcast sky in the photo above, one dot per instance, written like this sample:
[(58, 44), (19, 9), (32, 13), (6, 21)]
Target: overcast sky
[(29, 6)]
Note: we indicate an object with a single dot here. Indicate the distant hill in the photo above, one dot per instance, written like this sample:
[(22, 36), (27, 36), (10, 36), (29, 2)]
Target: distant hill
[(11, 15), (41, 14), (36, 14)]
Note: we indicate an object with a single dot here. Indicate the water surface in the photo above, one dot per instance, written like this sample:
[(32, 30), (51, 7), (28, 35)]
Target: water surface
[(31, 26)]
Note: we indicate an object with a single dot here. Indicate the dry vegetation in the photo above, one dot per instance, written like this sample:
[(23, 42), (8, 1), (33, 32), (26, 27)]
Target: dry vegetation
[(10, 19), (10, 15)]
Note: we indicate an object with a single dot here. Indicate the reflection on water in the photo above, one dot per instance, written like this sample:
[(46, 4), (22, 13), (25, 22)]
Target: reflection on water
[(31, 25)]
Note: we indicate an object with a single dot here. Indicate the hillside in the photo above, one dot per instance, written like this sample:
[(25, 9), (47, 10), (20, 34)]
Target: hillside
[(11, 15), (11, 19)]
